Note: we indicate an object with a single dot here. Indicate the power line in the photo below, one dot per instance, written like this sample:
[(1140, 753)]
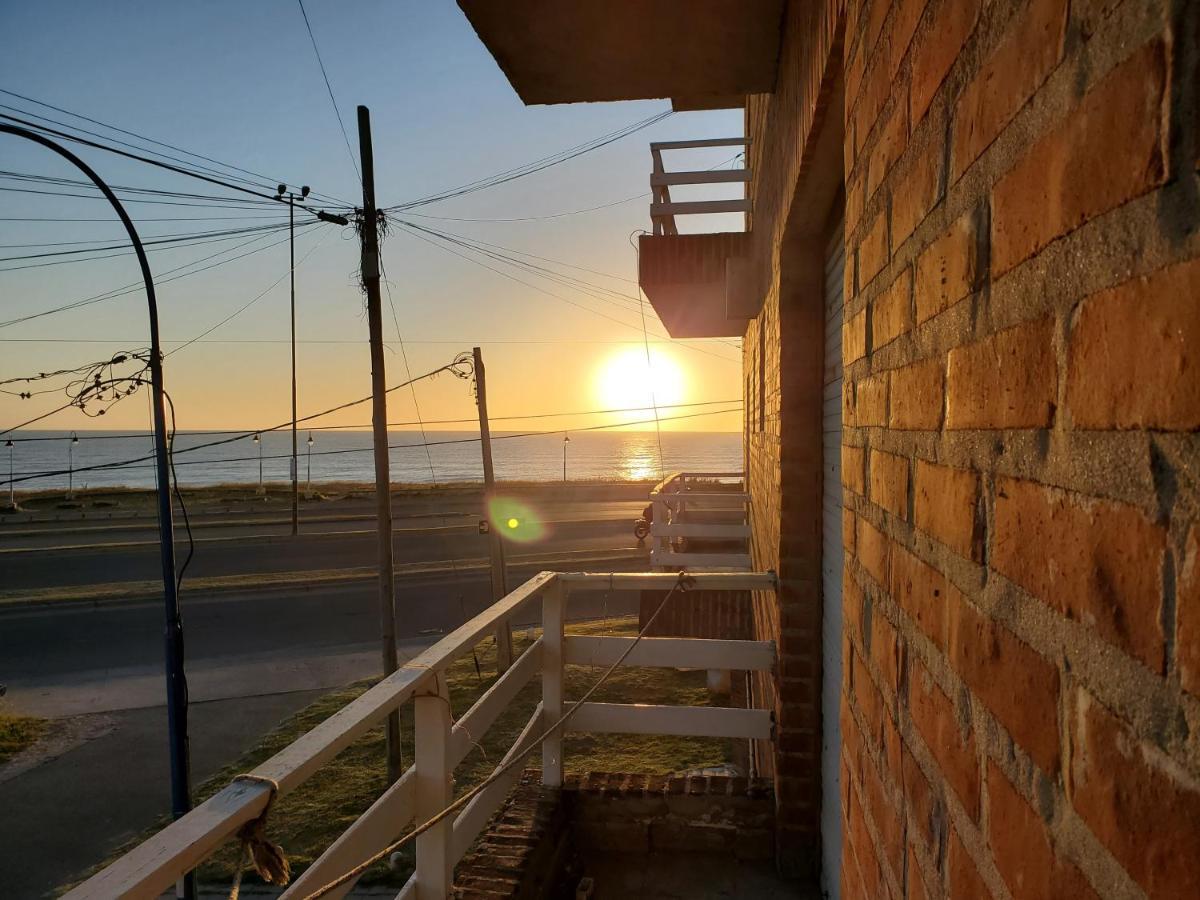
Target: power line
[(144, 159), (173, 245), (138, 286), (535, 166), (560, 215), (267, 180), (133, 463), (329, 88), (515, 417), (413, 228), (152, 241)]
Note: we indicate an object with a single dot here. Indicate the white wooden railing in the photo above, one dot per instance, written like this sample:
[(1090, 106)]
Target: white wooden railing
[(681, 502), (425, 789), (663, 209)]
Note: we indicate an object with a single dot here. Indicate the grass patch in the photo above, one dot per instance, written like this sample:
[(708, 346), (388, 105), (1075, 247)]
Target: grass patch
[(17, 733), (309, 819)]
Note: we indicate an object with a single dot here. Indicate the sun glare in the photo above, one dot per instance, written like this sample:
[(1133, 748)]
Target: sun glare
[(626, 382)]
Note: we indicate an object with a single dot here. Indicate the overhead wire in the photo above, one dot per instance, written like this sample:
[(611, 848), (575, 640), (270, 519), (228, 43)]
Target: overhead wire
[(264, 180), (367, 425), (133, 463), (329, 88)]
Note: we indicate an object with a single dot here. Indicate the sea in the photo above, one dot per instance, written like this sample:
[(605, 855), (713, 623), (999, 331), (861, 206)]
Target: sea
[(52, 460)]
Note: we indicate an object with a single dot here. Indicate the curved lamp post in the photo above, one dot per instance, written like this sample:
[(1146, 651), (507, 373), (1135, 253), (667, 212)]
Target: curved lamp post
[(181, 791)]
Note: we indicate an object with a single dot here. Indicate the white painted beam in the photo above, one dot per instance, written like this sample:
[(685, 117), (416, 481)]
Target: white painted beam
[(664, 581), (685, 721), (671, 653), (697, 530), (707, 176), (677, 561), (698, 207), (699, 142)]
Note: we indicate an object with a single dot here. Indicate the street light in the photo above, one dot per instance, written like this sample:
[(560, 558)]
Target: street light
[(308, 486), (12, 497), (71, 466), (261, 489), (291, 202), (566, 440)]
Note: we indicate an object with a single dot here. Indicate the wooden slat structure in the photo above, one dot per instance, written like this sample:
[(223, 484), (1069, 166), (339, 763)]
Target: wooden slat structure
[(424, 790)]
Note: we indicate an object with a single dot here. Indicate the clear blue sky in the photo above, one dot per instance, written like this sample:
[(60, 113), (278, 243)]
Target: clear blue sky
[(239, 82)]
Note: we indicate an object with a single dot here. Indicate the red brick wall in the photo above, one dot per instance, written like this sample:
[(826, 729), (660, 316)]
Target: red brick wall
[(783, 421), (1021, 698)]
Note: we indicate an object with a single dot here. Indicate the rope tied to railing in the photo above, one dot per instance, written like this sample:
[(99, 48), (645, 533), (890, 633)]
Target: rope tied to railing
[(683, 582), (267, 857)]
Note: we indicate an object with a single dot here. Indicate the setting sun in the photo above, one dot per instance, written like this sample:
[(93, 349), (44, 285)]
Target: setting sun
[(626, 382)]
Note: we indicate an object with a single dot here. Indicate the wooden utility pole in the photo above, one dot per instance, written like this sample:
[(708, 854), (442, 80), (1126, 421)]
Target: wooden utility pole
[(383, 494), (495, 539)]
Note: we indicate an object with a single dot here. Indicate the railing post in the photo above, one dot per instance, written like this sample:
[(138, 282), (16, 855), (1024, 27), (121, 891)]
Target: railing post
[(433, 793), (554, 604)]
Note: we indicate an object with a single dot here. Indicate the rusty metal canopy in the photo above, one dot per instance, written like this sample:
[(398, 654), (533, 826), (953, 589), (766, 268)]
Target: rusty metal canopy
[(703, 53), (685, 277)]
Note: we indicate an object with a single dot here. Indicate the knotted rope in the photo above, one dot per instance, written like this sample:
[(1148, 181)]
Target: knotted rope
[(267, 857)]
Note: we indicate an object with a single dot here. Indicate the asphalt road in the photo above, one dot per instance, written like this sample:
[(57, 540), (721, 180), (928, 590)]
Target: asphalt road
[(253, 655), (89, 559)]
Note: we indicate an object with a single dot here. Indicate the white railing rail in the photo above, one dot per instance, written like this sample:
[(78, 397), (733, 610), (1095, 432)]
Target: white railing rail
[(663, 209), (426, 787), (699, 492)]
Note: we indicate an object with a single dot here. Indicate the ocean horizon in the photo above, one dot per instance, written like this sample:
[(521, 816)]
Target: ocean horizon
[(49, 460)]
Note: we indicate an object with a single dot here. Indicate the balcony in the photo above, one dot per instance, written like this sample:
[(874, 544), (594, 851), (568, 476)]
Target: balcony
[(703, 54), (424, 794), (700, 285), (700, 521)]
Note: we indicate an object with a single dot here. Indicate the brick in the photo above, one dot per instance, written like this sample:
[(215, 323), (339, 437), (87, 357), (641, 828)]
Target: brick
[(917, 392), (870, 400), (848, 531), (885, 651), (945, 506), (853, 477), (877, 88), (869, 702), (891, 311), (905, 16), (864, 851), (1022, 62), (915, 191), (923, 592), (873, 251), (1022, 848), (1134, 357), (855, 201), (962, 874), (1095, 561), (948, 269), (923, 806), (1187, 612), (1111, 149), (1019, 687), (873, 550), (952, 747), (890, 143), (1145, 810), (852, 600), (889, 482), (914, 886), (854, 338), (1007, 380), (936, 52), (888, 824)]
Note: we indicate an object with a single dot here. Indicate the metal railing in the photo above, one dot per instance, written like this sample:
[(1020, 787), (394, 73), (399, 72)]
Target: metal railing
[(700, 508), (663, 209), (425, 789)]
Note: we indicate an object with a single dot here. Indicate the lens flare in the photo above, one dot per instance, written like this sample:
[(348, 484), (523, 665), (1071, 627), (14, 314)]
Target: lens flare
[(516, 520)]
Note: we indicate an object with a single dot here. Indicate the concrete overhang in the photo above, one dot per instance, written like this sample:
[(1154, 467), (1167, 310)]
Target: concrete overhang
[(705, 54), (696, 282)]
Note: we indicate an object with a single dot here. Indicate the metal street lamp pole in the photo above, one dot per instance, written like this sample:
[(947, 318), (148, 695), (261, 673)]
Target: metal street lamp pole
[(566, 440), (71, 466), (181, 790), (12, 496), (308, 485), (258, 440), (291, 200)]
